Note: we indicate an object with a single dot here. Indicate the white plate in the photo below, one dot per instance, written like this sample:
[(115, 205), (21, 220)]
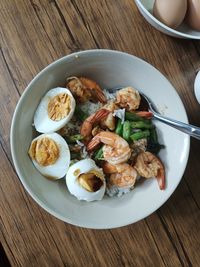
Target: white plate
[(110, 69)]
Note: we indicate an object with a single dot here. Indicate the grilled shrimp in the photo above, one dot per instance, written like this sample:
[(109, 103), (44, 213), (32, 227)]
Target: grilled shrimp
[(85, 89), (121, 175), (148, 165), (91, 121), (128, 98), (116, 150)]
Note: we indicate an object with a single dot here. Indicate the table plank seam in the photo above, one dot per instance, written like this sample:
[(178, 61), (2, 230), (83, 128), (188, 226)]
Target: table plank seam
[(155, 242), (9, 71), (13, 260), (181, 244), (60, 254), (39, 19), (64, 21), (113, 236), (170, 238), (193, 197), (8, 158), (87, 26)]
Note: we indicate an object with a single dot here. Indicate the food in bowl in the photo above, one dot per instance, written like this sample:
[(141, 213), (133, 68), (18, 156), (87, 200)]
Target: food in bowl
[(193, 14), (104, 142), (171, 13)]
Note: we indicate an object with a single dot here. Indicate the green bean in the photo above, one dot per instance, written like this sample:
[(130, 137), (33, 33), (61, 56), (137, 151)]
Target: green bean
[(132, 116), (119, 127), (126, 130), (140, 135), (153, 135), (153, 144), (141, 125), (154, 147), (99, 154), (74, 138), (80, 114)]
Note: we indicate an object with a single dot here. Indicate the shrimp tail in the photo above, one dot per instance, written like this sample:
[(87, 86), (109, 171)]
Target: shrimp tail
[(88, 124), (93, 143), (99, 115), (145, 114), (161, 177), (99, 95), (104, 137)]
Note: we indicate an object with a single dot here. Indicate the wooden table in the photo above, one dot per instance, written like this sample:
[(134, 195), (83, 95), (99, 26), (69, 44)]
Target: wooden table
[(35, 33)]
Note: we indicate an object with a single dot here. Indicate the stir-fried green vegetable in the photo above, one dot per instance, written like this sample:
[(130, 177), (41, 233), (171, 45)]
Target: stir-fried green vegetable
[(99, 154), (126, 130), (139, 135), (80, 114), (153, 135), (153, 144), (154, 147), (74, 138), (119, 127), (131, 116), (141, 125)]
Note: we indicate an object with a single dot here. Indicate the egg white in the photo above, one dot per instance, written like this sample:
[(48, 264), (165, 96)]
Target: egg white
[(42, 122), (76, 189), (60, 167)]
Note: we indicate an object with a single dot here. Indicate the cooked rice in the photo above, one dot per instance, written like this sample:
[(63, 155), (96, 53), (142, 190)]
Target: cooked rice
[(116, 191)]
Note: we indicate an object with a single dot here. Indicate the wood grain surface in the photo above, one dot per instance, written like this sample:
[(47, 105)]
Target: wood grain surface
[(33, 34)]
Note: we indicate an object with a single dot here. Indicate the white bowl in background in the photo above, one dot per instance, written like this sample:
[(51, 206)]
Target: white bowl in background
[(110, 69), (183, 31)]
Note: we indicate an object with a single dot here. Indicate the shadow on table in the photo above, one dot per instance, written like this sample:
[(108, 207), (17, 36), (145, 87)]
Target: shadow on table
[(3, 258)]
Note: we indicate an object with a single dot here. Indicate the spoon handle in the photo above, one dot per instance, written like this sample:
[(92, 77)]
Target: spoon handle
[(183, 127)]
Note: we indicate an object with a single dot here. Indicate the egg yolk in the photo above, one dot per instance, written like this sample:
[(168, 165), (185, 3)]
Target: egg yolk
[(44, 151), (59, 107), (90, 182)]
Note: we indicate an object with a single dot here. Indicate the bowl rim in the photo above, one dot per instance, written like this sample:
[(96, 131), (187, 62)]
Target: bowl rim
[(185, 35), (14, 156)]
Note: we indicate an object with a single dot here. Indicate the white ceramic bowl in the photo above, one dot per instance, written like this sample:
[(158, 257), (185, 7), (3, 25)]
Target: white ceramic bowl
[(183, 31), (110, 69)]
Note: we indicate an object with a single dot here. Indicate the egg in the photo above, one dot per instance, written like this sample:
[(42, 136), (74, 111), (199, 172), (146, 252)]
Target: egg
[(50, 155), (193, 14), (197, 87), (171, 13), (55, 109), (86, 181)]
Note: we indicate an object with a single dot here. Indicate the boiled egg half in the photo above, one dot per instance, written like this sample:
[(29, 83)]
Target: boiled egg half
[(50, 155), (86, 181), (55, 109)]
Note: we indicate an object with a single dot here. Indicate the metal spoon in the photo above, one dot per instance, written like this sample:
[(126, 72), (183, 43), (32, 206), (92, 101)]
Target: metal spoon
[(183, 127)]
